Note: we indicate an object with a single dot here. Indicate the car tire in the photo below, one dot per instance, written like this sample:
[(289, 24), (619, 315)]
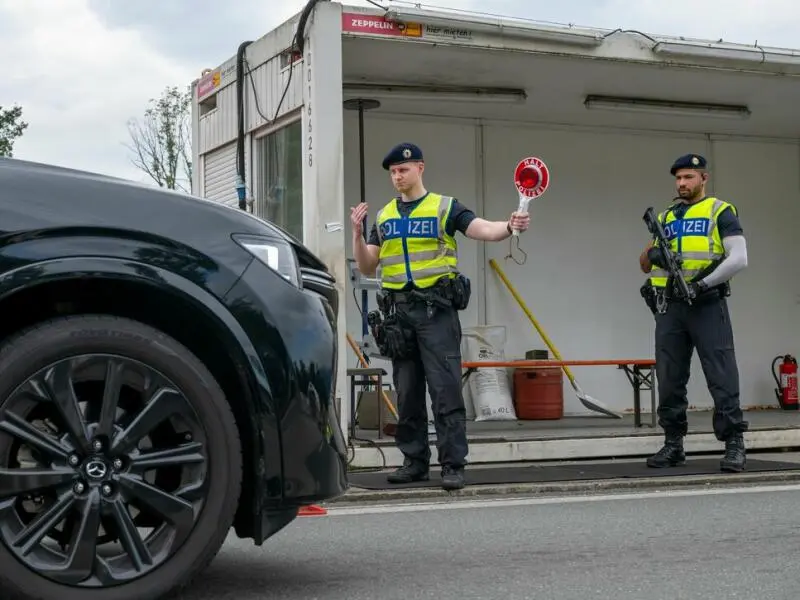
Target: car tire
[(99, 335)]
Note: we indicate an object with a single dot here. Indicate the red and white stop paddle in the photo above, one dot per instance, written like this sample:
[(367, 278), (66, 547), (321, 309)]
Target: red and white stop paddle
[(531, 177)]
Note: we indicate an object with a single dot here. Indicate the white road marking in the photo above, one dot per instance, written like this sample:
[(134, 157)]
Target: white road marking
[(499, 503)]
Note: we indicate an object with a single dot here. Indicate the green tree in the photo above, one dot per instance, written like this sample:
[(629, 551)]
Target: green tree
[(161, 142), (11, 128)]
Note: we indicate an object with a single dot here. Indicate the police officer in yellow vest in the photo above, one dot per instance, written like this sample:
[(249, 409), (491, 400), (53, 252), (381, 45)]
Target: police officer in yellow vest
[(706, 233), (413, 241)]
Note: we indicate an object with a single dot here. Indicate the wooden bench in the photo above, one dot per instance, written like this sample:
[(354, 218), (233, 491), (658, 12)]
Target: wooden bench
[(640, 373)]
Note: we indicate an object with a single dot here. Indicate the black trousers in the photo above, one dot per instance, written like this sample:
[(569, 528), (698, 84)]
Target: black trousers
[(706, 327), (438, 362)]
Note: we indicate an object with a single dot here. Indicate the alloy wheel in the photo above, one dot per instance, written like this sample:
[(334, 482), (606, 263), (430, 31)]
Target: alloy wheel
[(103, 470)]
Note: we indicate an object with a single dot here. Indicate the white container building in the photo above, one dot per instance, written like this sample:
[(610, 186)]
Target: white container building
[(607, 111)]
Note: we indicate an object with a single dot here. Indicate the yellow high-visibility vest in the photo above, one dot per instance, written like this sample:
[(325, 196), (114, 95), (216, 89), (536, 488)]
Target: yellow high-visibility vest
[(416, 248), (695, 238)]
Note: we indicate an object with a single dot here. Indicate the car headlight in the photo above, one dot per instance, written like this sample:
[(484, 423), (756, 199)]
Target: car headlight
[(277, 254)]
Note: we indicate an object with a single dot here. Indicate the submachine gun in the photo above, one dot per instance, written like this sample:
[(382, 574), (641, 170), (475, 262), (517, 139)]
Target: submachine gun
[(677, 288)]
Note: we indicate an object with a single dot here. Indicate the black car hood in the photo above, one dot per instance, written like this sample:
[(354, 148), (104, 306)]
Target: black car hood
[(43, 196)]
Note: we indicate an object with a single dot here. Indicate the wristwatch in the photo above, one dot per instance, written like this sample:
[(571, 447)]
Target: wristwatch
[(508, 226)]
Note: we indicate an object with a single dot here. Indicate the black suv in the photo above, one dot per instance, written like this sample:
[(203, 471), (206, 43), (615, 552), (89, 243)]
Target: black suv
[(167, 372)]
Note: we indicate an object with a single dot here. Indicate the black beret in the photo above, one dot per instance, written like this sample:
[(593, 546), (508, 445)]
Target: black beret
[(401, 153), (688, 161)]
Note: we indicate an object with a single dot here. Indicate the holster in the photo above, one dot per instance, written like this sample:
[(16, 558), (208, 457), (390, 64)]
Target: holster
[(394, 341), (648, 292), (461, 291)]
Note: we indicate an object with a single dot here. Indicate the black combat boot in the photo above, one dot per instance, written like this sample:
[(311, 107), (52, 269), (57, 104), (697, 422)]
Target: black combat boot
[(735, 457), (452, 478), (409, 472), (670, 455)]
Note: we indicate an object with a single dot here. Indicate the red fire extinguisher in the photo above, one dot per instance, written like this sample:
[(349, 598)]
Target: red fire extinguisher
[(787, 384)]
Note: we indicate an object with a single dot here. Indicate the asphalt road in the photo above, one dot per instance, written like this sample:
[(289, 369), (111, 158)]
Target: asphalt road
[(651, 546)]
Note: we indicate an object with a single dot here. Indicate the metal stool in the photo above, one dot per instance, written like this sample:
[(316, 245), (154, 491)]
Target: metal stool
[(365, 379)]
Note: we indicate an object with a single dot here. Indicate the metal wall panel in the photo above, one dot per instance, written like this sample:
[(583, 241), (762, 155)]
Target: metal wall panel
[(219, 126), (270, 82), (220, 175)]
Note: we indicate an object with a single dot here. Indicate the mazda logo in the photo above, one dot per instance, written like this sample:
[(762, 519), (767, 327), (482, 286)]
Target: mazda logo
[(96, 469)]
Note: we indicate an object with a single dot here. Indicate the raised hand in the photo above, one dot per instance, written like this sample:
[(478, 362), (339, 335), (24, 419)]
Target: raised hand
[(357, 214)]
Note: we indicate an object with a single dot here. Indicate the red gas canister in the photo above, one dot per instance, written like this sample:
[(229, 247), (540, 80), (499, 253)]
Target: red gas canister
[(539, 393)]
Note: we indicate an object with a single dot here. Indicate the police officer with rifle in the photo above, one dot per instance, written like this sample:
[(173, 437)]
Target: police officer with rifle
[(413, 241), (698, 246)]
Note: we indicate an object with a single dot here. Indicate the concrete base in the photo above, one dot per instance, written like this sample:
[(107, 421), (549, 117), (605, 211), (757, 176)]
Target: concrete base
[(562, 488), (582, 438)]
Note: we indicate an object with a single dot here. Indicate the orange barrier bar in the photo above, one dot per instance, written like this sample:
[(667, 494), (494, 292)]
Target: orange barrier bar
[(642, 362)]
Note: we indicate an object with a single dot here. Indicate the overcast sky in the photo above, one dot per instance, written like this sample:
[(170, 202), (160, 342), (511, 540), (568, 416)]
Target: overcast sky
[(82, 68)]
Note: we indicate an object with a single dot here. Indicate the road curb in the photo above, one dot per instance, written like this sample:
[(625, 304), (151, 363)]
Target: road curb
[(361, 495)]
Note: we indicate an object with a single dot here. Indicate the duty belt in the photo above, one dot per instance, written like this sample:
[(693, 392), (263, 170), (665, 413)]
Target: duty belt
[(428, 296), (404, 297), (718, 292)]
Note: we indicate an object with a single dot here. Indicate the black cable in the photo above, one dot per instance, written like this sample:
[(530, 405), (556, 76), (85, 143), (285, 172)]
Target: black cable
[(364, 440), (240, 135), (372, 443), (298, 42)]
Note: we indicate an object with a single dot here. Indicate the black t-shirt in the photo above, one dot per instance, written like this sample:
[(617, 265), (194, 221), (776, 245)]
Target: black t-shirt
[(727, 221), (458, 220)]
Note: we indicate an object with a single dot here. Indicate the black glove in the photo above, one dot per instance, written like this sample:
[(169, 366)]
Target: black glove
[(656, 257), (698, 287)]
